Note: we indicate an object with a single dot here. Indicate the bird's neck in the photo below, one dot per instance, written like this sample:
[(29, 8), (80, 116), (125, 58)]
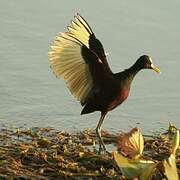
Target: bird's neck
[(133, 70), (128, 74)]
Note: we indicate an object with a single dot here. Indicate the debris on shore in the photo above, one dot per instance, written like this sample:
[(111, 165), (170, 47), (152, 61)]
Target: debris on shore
[(46, 153)]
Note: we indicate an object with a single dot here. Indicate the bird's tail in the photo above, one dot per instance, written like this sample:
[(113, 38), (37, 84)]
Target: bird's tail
[(87, 109)]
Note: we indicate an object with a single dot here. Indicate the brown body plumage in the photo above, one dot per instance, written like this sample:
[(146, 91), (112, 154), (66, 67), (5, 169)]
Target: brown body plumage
[(79, 57)]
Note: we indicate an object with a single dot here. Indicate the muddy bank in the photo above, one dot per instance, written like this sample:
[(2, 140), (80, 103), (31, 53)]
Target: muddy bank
[(46, 153)]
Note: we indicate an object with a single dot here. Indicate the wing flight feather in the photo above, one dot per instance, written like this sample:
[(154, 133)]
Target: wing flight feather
[(69, 62)]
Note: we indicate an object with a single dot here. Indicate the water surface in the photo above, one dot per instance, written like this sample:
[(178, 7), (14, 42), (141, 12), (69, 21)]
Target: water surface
[(30, 94)]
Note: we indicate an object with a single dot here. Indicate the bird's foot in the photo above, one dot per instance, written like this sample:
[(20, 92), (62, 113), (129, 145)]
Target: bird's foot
[(103, 150)]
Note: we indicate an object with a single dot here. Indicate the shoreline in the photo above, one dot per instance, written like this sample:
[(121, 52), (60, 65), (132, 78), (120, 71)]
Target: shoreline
[(46, 153)]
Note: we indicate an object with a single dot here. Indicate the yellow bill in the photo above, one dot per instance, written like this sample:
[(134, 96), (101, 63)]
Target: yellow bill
[(156, 69)]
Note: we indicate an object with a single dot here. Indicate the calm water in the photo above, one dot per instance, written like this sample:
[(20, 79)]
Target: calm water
[(30, 95)]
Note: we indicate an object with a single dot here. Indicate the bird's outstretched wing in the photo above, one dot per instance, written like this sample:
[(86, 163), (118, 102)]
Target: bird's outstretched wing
[(80, 30), (79, 58)]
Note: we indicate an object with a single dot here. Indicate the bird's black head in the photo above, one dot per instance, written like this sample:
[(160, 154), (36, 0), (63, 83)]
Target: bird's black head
[(145, 62)]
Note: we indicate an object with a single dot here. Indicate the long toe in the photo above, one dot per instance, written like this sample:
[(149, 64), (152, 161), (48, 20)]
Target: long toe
[(102, 148), (104, 151)]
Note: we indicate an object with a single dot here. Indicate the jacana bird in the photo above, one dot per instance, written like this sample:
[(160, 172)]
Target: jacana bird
[(79, 58)]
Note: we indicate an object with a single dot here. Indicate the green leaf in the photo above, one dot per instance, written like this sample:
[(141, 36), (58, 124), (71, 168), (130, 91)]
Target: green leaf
[(170, 168), (175, 142), (132, 168), (170, 163)]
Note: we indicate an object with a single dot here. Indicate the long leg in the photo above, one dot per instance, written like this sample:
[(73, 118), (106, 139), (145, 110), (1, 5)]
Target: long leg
[(98, 131)]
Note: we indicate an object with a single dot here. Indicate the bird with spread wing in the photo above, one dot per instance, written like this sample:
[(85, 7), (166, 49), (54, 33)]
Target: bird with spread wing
[(79, 58)]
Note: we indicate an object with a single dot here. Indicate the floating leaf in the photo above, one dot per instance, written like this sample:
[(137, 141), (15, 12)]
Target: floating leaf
[(132, 168), (131, 144)]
